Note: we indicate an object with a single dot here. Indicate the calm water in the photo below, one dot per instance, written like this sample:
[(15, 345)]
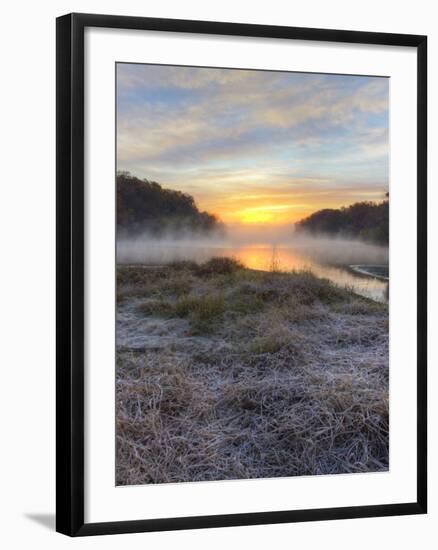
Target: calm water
[(344, 263)]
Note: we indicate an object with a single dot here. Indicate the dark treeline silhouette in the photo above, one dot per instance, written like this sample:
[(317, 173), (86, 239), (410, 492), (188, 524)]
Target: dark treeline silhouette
[(145, 206), (368, 221)]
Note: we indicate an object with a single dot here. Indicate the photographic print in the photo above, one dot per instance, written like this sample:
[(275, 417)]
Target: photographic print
[(252, 254), (228, 319)]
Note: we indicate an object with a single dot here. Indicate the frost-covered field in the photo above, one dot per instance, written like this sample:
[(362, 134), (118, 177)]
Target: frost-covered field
[(229, 373)]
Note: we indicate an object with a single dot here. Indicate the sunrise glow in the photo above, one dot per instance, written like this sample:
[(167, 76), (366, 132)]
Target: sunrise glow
[(255, 147)]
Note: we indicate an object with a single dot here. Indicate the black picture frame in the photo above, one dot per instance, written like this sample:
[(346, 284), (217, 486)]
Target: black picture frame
[(70, 273)]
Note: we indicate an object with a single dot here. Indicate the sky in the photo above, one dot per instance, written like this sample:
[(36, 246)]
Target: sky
[(255, 147)]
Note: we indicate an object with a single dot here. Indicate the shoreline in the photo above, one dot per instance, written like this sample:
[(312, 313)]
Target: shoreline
[(362, 270), (358, 270)]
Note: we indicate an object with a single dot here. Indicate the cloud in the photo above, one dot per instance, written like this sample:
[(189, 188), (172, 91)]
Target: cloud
[(214, 131)]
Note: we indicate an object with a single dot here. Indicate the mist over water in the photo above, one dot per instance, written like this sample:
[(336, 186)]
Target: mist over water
[(267, 249)]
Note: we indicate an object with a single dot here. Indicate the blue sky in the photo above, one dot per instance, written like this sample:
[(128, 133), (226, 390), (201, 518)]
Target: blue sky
[(255, 146)]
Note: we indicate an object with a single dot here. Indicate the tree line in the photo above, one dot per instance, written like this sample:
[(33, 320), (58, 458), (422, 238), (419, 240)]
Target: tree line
[(144, 205), (368, 221)]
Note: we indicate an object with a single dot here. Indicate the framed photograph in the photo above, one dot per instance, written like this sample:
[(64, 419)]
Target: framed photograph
[(241, 274)]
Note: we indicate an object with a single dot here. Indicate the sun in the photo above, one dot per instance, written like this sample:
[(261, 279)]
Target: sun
[(272, 214), (256, 217)]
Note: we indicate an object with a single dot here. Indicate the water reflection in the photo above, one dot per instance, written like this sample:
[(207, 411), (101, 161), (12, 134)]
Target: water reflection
[(289, 259), (321, 261)]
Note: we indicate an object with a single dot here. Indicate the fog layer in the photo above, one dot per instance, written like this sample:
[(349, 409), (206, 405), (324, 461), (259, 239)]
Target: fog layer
[(152, 250)]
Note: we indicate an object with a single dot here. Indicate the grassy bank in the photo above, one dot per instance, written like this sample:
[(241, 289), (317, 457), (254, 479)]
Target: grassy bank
[(228, 373)]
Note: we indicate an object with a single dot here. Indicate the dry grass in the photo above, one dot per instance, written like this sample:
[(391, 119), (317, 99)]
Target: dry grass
[(247, 375)]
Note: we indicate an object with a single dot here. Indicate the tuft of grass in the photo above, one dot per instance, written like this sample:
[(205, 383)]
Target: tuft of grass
[(306, 288), (178, 283), (202, 311), (295, 312), (242, 303), (219, 266), (139, 276), (153, 307), (205, 306), (359, 306), (268, 344), (128, 291), (183, 265)]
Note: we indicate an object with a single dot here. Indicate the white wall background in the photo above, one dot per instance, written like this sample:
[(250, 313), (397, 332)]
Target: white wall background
[(27, 299)]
